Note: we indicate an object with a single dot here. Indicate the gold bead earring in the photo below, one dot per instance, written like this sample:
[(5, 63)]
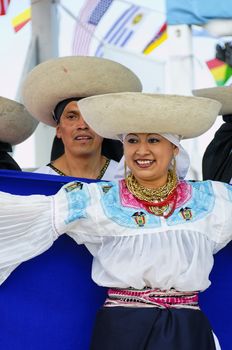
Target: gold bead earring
[(125, 170), (174, 165)]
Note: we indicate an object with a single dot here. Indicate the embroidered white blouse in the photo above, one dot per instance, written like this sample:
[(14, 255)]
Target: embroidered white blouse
[(130, 247)]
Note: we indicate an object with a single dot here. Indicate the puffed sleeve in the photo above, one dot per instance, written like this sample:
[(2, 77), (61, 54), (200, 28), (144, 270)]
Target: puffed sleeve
[(26, 229), (76, 212)]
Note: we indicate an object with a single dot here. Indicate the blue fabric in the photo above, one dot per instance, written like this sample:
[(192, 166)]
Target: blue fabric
[(197, 11), (50, 301)]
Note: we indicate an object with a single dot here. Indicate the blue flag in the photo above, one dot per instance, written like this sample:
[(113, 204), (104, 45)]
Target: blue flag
[(197, 11)]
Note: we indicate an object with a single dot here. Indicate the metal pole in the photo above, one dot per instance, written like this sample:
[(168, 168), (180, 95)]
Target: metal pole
[(45, 34)]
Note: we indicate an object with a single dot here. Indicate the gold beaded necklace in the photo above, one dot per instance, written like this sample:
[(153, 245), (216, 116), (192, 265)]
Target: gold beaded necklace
[(158, 201)]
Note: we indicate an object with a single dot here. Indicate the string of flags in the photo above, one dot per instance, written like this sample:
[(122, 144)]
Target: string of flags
[(121, 30), (119, 34)]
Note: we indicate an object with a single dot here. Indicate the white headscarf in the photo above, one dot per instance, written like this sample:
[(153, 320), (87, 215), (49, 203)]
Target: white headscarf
[(182, 158)]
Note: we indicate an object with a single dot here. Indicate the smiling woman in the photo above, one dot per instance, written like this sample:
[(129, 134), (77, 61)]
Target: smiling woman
[(152, 235), (149, 157), (151, 180)]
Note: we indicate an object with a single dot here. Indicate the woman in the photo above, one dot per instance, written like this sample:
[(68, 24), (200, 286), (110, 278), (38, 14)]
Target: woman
[(154, 235)]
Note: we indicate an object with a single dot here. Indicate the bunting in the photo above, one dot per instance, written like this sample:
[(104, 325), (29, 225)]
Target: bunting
[(159, 38), (220, 71), (90, 15), (21, 20), (3, 6), (123, 29)]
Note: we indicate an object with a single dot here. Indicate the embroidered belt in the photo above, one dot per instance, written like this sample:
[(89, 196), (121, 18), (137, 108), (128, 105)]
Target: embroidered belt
[(152, 298)]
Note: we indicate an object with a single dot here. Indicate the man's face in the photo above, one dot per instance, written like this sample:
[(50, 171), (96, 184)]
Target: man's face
[(78, 138)]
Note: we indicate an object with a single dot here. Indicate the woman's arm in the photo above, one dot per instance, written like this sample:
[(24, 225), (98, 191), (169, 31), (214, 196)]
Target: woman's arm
[(26, 229)]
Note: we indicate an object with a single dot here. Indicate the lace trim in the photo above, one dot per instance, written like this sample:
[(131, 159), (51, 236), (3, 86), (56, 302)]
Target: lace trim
[(100, 176), (184, 193)]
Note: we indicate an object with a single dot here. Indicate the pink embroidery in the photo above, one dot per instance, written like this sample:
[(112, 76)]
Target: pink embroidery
[(155, 297), (184, 193)]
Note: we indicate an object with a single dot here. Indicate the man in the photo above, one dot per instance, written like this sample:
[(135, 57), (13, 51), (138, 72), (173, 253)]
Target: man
[(51, 93), (83, 154)]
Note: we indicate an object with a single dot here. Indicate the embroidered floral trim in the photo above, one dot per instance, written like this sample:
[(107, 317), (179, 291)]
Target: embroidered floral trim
[(184, 193)]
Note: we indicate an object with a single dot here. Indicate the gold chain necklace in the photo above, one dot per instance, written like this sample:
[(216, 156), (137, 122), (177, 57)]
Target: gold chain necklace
[(156, 196), (152, 194)]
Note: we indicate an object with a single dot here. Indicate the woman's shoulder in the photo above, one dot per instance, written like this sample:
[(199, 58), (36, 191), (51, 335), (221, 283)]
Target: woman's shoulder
[(212, 197), (215, 188)]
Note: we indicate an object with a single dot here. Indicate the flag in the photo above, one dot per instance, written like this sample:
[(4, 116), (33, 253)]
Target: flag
[(160, 37), (3, 6), (123, 28), (21, 20), (90, 15), (197, 11), (220, 71)]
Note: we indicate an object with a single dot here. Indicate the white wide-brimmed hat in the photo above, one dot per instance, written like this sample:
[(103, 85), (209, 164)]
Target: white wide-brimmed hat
[(223, 94), (16, 124), (110, 115), (73, 77)]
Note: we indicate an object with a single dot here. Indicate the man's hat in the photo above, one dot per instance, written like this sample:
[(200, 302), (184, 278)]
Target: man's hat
[(111, 115), (223, 94), (16, 124), (73, 77)]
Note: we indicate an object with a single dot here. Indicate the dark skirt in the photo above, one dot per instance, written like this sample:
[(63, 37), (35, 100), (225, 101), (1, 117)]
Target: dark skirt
[(124, 328)]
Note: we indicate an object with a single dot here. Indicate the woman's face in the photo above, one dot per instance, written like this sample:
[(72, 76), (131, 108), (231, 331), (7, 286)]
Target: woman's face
[(75, 133), (149, 156)]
